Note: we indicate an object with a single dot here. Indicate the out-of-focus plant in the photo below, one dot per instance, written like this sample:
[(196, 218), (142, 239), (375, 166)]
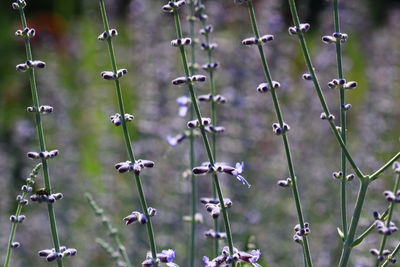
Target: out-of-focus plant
[(18, 217), (122, 258), (132, 165), (45, 194)]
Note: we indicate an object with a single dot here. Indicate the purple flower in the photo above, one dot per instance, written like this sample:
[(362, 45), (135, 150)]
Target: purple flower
[(239, 168), (183, 103), (167, 256)]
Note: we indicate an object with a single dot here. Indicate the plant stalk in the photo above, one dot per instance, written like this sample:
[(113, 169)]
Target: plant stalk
[(389, 218), (348, 243), (127, 139), (42, 143), (285, 139), (203, 133), (343, 197)]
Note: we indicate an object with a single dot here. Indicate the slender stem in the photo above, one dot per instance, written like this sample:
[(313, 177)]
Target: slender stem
[(285, 139), (370, 228), (318, 89), (192, 159), (128, 144), (389, 218), (203, 133), (348, 243), (12, 234), (343, 127), (393, 254), (376, 174), (213, 92), (99, 212), (42, 143)]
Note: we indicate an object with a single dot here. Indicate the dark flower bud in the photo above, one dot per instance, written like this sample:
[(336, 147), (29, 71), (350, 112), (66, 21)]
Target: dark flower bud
[(121, 72), (285, 183), (58, 196), (250, 41), (108, 75), (389, 195), (180, 80), (181, 42), (374, 251), (33, 155), (200, 170), (15, 245), (329, 39), (219, 99), (198, 78), (205, 98), (151, 211), (45, 109), (292, 30), (22, 67), (267, 38), (350, 85), (304, 27), (38, 64), (53, 256), (134, 217), (350, 177), (307, 77), (142, 219)]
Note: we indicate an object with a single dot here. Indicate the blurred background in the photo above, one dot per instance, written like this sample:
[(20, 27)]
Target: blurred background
[(90, 145)]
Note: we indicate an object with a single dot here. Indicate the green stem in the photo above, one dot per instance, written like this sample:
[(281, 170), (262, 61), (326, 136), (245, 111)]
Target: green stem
[(389, 218), (42, 143), (192, 159), (203, 133), (395, 251), (318, 89), (12, 234), (213, 92), (348, 243), (376, 174), (285, 139), (343, 127), (127, 139)]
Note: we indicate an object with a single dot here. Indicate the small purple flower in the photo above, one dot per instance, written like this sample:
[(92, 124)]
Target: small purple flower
[(183, 103), (239, 168)]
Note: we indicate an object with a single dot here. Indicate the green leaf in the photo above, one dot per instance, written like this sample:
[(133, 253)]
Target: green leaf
[(340, 233)]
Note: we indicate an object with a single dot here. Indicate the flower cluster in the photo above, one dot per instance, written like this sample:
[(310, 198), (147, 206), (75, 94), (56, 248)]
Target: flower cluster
[(42, 195), (213, 206), (303, 27), (166, 256), (117, 120), (220, 167), (38, 64), (280, 129), (391, 196), (43, 154), (239, 256), (335, 37), (385, 253), (342, 83), (110, 75), (136, 167), (264, 87), (52, 255), (258, 41), (217, 235)]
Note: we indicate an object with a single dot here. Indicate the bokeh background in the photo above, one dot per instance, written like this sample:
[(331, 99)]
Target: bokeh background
[(90, 145)]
